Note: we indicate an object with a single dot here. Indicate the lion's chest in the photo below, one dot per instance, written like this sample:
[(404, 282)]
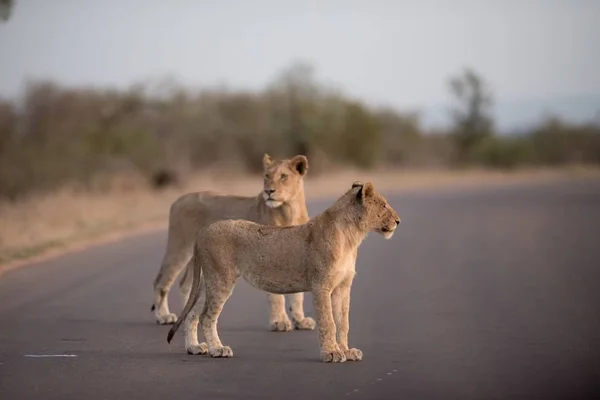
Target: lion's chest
[(344, 268)]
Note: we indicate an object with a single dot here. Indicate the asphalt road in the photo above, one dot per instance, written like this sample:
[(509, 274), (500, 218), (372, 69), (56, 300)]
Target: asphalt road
[(483, 293)]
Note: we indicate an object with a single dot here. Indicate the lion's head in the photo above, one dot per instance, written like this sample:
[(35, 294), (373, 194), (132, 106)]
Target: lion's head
[(283, 179), (375, 211)]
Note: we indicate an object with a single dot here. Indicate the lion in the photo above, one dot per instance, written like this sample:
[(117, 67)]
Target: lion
[(317, 257), (280, 203)]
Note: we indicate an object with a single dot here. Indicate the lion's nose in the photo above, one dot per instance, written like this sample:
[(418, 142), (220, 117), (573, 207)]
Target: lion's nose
[(398, 221), (269, 191)]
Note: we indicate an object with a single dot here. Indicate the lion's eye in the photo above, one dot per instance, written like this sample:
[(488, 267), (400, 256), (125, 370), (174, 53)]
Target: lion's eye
[(283, 177), (266, 176)]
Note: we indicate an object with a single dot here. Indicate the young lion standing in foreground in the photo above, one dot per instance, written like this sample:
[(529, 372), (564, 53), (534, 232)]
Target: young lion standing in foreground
[(318, 256), (281, 203)]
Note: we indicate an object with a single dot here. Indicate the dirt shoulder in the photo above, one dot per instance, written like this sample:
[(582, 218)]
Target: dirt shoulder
[(41, 228)]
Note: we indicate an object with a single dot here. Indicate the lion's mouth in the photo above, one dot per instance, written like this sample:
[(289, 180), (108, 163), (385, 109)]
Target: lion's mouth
[(272, 203), (388, 232)]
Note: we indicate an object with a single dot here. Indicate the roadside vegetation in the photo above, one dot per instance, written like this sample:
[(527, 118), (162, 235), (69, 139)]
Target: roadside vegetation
[(75, 159)]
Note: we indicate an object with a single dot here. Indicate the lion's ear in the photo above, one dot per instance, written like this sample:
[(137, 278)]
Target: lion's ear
[(366, 190), (267, 160), (300, 164)]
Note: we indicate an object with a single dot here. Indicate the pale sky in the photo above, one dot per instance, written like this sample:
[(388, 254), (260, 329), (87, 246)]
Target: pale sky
[(396, 52)]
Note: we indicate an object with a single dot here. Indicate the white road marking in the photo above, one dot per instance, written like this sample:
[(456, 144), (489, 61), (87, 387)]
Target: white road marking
[(50, 355)]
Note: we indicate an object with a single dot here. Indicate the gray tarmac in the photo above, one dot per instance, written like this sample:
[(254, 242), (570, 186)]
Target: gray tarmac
[(482, 293)]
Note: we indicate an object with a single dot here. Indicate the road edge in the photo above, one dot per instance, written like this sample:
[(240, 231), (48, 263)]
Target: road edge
[(83, 244), (112, 236)]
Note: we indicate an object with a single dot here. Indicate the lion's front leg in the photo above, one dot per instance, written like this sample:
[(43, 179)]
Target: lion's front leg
[(278, 319), (297, 309), (330, 351), (341, 312)]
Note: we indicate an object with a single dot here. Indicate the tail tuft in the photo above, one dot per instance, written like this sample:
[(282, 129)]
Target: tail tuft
[(170, 335), (153, 307)]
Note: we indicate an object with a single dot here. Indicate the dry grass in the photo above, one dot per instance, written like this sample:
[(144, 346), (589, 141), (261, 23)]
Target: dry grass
[(67, 217)]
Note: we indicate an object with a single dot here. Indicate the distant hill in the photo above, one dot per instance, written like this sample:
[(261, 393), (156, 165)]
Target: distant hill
[(519, 114)]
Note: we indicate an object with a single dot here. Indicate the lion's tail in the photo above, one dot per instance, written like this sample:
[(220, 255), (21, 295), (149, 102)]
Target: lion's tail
[(195, 294)]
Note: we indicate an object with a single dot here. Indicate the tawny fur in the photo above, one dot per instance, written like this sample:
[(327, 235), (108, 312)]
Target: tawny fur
[(317, 257), (281, 203)]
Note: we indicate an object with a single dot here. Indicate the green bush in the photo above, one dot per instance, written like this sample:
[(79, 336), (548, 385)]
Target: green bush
[(503, 152)]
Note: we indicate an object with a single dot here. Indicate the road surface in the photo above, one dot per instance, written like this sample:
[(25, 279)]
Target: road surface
[(481, 294)]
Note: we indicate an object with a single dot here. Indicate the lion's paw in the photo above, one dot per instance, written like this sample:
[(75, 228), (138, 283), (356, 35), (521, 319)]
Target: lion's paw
[(166, 319), (307, 324), (353, 355), (221, 352), (281, 325), (335, 356), (197, 349)]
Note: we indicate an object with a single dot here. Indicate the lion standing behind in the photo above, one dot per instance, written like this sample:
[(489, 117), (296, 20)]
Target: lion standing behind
[(281, 203)]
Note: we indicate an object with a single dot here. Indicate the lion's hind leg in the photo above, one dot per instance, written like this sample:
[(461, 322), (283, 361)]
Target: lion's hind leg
[(218, 291), (186, 282), (171, 267), (192, 346)]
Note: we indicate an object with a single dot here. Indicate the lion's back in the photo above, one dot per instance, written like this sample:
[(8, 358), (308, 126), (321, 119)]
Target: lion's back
[(228, 230), (243, 235)]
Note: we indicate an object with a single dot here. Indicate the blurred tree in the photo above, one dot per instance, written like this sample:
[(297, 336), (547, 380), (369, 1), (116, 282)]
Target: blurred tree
[(6, 7), (471, 115), (360, 139), (400, 136), (297, 86), (558, 142)]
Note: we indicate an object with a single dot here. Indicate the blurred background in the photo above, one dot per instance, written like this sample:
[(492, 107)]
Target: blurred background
[(101, 97)]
